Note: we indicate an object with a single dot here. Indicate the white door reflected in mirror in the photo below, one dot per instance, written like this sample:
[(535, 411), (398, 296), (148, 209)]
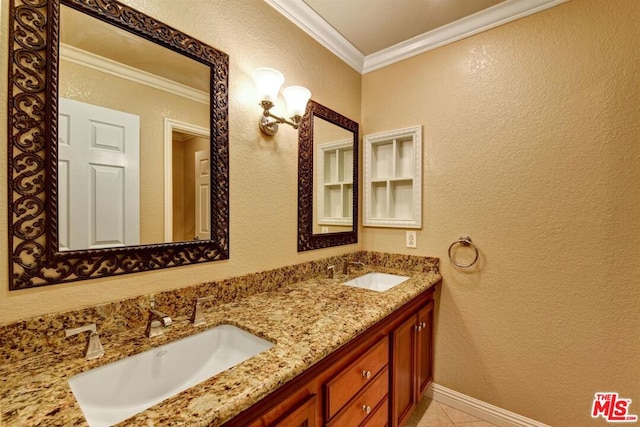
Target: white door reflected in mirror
[(98, 177)]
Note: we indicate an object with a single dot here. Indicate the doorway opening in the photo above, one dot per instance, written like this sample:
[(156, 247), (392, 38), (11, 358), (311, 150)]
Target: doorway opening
[(187, 182)]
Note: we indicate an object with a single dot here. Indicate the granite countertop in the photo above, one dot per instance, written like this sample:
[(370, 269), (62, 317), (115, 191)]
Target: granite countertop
[(307, 321)]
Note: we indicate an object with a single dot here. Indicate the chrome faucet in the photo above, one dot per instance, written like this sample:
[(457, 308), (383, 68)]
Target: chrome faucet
[(94, 347), (157, 322), (345, 269), (197, 317)]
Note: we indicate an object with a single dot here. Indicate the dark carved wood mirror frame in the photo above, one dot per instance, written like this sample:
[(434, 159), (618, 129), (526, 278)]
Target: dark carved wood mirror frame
[(32, 128), (306, 239)]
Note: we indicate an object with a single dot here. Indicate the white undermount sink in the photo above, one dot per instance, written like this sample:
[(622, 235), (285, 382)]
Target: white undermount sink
[(377, 281), (112, 393)]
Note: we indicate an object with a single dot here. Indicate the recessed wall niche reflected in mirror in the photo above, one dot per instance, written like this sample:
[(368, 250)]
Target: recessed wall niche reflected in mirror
[(333, 173), (327, 179), (119, 144)]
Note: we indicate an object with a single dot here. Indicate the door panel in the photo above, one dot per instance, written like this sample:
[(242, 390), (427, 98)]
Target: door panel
[(107, 206)]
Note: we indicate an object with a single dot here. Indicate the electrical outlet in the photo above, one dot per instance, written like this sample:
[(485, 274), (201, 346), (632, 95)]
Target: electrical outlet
[(411, 239)]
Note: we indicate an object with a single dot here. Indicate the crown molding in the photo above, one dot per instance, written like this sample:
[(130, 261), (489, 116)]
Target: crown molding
[(309, 21), (484, 20), (87, 59)]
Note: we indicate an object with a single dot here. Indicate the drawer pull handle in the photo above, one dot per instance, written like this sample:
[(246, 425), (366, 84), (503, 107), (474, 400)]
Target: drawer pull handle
[(366, 409), (366, 374)]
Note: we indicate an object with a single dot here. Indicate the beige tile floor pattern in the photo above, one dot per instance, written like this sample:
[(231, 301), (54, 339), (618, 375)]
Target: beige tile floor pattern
[(430, 413)]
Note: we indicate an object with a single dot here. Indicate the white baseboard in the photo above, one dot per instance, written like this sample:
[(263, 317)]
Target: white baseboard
[(479, 409)]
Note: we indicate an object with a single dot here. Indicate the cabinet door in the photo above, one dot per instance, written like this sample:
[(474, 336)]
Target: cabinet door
[(404, 397), (424, 348)]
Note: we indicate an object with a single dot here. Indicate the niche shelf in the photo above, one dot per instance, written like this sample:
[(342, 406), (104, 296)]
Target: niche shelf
[(335, 178), (393, 178)]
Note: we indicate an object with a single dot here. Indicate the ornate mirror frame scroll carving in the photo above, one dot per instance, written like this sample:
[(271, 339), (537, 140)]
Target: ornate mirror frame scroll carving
[(32, 129), (306, 239)]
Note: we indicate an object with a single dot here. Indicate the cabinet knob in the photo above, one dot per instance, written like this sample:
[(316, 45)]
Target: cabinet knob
[(418, 327), (366, 409), (366, 374)]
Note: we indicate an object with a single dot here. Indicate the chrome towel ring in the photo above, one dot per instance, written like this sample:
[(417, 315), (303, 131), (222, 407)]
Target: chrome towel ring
[(463, 241)]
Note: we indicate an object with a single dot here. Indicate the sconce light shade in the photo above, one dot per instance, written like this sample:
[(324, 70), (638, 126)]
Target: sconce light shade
[(296, 98), (268, 82)]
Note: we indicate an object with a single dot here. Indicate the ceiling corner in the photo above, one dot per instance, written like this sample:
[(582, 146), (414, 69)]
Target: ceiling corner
[(298, 12), (311, 23)]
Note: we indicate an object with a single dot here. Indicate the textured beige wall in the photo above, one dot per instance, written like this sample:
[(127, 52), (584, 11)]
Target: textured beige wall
[(531, 146), (263, 171)]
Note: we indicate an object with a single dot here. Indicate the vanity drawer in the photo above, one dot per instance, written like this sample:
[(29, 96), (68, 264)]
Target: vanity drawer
[(354, 377), (365, 403), (380, 418)]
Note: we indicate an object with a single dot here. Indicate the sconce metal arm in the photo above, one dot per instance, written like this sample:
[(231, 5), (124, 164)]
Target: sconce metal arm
[(270, 127)]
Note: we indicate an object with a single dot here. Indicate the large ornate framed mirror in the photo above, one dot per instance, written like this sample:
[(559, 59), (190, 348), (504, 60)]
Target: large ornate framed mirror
[(327, 179), (68, 78)]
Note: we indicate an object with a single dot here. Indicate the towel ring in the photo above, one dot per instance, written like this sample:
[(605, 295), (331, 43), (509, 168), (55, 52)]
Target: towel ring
[(463, 241)]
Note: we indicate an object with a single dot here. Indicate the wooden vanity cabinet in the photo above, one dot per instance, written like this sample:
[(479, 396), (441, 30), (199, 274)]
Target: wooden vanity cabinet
[(375, 380), (412, 362)]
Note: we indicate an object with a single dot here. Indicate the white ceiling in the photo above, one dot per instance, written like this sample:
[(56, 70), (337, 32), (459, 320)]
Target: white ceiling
[(373, 25), (371, 34)]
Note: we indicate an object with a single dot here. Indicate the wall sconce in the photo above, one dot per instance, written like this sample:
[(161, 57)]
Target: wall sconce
[(268, 82)]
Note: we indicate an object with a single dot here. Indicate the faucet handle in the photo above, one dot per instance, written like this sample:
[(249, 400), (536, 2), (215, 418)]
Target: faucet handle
[(197, 316), (94, 347), (331, 270), (345, 268), (157, 322)]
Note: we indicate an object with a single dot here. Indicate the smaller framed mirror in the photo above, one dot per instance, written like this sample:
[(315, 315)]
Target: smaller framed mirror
[(327, 179)]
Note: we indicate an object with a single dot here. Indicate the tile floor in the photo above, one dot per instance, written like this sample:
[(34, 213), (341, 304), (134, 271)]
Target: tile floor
[(430, 413)]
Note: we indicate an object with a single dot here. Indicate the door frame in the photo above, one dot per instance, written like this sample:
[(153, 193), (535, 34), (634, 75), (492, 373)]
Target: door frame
[(171, 125)]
